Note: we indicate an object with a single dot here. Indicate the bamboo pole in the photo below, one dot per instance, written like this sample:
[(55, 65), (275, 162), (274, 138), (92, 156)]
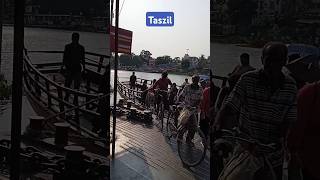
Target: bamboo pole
[(17, 89), (115, 92), (1, 23)]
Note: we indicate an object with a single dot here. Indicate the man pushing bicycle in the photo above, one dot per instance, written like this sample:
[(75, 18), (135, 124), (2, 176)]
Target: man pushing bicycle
[(192, 94)]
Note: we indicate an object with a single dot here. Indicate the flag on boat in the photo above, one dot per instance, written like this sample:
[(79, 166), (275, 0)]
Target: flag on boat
[(124, 40)]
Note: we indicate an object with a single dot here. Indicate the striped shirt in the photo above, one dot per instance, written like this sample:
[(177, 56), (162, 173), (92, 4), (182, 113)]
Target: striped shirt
[(192, 95), (264, 114)]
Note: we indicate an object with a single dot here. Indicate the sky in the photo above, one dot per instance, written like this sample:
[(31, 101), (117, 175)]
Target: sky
[(191, 28)]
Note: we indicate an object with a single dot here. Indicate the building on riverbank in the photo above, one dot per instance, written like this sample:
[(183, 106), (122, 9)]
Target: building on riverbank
[(62, 21), (71, 15), (283, 20)]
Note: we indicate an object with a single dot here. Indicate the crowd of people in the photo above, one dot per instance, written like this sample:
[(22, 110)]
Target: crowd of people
[(268, 106), (194, 94)]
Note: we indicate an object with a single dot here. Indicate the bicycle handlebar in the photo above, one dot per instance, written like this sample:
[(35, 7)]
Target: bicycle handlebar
[(160, 90), (233, 133)]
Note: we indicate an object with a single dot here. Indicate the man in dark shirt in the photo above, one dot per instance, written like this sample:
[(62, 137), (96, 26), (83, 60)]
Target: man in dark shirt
[(162, 85), (74, 62), (244, 67), (133, 80)]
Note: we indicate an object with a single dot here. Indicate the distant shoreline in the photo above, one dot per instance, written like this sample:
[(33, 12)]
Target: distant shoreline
[(189, 73), (57, 28), (238, 41)]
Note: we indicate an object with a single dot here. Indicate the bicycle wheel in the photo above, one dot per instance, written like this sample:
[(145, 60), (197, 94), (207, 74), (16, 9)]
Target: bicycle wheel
[(191, 154), (167, 123), (160, 116), (171, 130)]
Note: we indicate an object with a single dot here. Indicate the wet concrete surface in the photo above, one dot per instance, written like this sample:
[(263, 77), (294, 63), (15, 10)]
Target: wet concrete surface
[(5, 117), (143, 152)]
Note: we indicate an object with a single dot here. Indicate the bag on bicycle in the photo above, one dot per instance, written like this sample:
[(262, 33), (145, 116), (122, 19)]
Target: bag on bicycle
[(244, 165), (184, 116)]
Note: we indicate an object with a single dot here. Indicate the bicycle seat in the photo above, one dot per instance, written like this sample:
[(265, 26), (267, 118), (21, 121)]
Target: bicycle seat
[(180, 105), (192, 108), (173, 106)]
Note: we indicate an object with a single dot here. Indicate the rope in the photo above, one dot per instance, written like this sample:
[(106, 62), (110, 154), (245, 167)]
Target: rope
[(122, 6)]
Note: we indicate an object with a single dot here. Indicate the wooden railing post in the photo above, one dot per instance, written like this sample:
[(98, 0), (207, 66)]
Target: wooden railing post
[(26, 79), (37, 88), (88, 91), (76, 111), (133, 97), (61, 103), (224, 82), (48, 94), (100, 63)]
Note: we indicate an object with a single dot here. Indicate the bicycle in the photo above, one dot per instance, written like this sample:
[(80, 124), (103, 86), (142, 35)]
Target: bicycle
[(222, 149), (172, 121), (191, 154), (160, 109)]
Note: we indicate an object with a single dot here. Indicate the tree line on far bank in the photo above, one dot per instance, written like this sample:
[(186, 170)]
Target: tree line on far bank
[(134, 60)]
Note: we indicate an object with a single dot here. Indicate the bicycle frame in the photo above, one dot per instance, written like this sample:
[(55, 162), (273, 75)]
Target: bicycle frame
[(181, 130), (233, 135), (160, 107)]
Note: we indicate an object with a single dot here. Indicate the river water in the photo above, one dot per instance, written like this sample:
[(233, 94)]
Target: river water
[(37, 39), (224, 56), (55, 40)]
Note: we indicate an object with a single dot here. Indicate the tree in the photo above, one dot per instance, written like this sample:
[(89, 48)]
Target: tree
[(137, 60), (176, 60), (145, 55), (185, 64), (241, 13), (203, 62), (163, 60), (127, 60)]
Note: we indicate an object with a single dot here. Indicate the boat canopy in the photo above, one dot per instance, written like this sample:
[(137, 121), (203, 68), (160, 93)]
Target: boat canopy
[(204, 77), (303, 50)]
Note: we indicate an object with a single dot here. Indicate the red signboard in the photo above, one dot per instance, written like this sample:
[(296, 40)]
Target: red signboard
[(124, 40)]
